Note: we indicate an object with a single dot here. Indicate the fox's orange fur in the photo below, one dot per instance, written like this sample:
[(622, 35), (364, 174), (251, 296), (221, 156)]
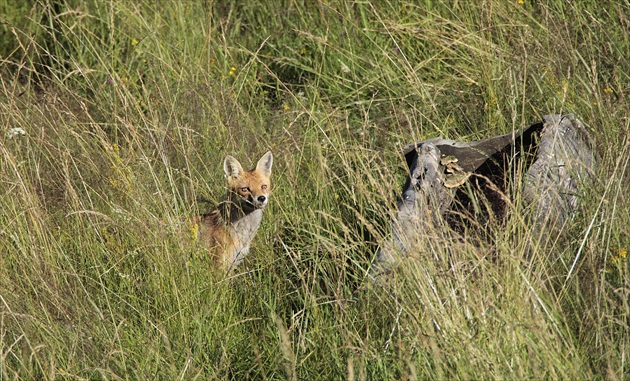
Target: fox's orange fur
[(229, 229)]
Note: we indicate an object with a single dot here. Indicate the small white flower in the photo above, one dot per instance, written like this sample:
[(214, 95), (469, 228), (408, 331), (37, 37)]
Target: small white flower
[(121, 213), (344, 67), (14, 132)]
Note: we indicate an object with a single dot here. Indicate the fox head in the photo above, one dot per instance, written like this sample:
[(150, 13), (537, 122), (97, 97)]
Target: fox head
[(249, 188)]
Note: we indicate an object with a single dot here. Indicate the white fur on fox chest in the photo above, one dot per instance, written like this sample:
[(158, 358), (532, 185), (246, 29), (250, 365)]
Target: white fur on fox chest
[(243, 232)]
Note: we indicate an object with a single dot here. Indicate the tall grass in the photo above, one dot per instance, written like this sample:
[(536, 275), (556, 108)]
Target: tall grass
[(128, 109)]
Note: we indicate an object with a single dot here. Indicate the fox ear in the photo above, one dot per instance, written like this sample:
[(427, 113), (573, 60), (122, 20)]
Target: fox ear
[(232, 167), (265, 163)]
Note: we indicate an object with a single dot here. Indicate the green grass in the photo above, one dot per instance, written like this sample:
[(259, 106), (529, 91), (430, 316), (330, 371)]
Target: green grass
[(129, 108)]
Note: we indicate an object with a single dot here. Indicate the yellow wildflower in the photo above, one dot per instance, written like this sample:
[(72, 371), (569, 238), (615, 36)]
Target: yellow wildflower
[(194, 231), (618, 254)]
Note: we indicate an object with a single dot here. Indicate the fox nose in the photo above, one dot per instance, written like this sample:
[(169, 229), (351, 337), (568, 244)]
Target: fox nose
[(262, 199)]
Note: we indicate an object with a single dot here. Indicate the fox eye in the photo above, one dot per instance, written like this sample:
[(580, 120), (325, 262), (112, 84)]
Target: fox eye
[(245, 189), (263, 187)]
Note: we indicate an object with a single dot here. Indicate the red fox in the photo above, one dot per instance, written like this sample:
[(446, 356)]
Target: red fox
[(228, 230)]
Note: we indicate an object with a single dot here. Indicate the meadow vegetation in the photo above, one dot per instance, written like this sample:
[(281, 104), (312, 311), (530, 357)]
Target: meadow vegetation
[(115, 119)]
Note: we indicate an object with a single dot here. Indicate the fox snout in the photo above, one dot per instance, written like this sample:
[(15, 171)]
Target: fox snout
[(258, 202), (248, 196), (261, 202)]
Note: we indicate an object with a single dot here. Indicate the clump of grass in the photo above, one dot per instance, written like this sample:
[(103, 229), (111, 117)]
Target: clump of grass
[(115, 121)]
